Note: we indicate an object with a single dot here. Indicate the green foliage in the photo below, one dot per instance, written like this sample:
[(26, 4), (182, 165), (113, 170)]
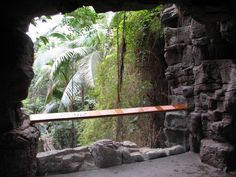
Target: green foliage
[(59, 36), (66, 64), (33, 105), (139, 23), (43, 39), (95, 129), (105, 94), (106, 83), (65, 134), (81, 19), (134, 89), (70, 66)]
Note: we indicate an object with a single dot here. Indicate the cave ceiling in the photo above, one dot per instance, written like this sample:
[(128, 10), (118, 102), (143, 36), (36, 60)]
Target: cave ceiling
[(17, 13)]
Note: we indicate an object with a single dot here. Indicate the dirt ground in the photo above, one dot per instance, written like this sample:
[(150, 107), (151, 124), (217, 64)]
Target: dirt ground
[(183, 165)]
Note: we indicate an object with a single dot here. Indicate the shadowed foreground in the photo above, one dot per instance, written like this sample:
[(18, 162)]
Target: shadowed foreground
[(183, 165)]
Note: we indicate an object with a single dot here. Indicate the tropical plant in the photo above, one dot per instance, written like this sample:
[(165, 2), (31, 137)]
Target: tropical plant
[(69, 68), (95, 61), (134, 38)]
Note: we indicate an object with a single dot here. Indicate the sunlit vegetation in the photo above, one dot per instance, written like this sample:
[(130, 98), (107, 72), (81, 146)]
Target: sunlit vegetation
[(97, 61)]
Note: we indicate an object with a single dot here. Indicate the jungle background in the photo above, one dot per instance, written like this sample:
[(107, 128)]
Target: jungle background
[(92, 61)]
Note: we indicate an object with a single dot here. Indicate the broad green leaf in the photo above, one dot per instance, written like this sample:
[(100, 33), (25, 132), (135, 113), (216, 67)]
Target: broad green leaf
[(44, 39)]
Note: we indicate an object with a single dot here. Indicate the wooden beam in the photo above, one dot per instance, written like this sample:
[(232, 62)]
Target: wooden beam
[(34, 118)]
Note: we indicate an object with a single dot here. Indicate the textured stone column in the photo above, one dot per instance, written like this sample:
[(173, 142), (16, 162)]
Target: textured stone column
[(218, 99), (202, 73), (179, 73), (18, 139)]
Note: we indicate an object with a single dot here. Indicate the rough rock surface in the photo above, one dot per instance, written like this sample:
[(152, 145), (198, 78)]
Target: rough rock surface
[(182, 165), (201, 73), (19, 146), (103, 153), (217, 154), (64, 161)]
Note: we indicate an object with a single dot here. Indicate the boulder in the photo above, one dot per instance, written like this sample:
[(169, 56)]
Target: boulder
[(19, 146), (64, 161), (219, 155), (106, 154)]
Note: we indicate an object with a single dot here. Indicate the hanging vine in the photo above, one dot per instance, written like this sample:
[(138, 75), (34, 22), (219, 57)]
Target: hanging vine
[(120, 71)]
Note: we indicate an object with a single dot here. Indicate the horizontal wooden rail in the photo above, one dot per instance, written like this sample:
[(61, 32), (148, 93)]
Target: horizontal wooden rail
[(34, 118)]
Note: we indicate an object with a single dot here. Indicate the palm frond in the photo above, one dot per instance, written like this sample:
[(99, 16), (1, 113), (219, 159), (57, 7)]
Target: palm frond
[(43, 75), (87, 67), (59, 36), (51, 107), (83, 77), (69, 56), (59, 61), (72, 90), (49, 55)]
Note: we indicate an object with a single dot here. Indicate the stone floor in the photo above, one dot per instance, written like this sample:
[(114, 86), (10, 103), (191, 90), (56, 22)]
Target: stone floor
[(182, 165)]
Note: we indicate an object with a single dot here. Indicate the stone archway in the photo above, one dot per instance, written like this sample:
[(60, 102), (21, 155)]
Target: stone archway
[(201, 70)]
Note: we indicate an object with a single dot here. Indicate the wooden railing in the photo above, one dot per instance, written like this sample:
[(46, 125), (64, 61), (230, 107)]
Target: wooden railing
[(34, 118)]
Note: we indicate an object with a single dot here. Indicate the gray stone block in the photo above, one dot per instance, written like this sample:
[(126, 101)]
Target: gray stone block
[(176, 120), (137, 157), (169, 14), (176, 137), (219, 155), (177, 35), (126, 155), (59, 161), (105, 154), (178, 149), (154, 153)]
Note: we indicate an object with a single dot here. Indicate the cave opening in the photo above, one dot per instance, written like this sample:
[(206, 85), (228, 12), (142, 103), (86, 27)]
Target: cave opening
[(200, 58)]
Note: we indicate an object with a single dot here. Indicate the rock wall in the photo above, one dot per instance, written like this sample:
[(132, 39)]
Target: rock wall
[(18, 151), (201, 72), (102, 154), (18, 139)]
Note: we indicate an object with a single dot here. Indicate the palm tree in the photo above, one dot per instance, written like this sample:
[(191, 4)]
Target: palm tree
[(69, 68), (67, 64)]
